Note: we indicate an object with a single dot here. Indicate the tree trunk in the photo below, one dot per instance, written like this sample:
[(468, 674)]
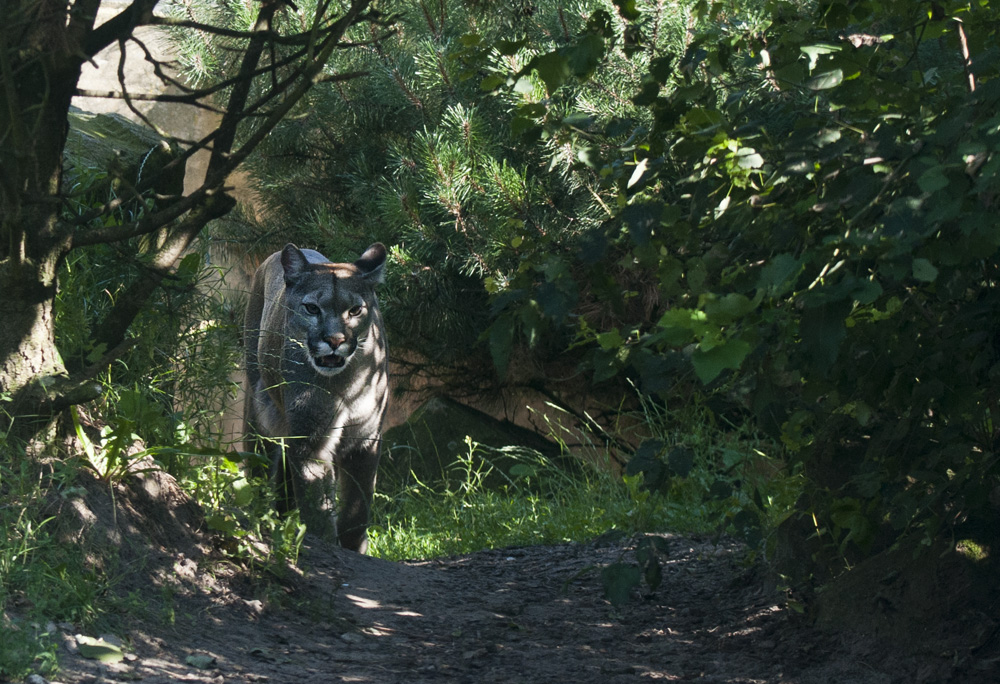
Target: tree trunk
[(29, 361), (39, 71)]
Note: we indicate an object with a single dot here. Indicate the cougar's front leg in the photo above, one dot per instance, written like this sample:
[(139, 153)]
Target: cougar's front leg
[(356, 472), (306, 481)]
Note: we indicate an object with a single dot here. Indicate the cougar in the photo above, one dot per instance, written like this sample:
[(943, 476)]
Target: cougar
[(317, 385)]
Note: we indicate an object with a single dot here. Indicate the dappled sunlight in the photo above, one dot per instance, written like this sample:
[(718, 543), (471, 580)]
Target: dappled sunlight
[(372, 604)]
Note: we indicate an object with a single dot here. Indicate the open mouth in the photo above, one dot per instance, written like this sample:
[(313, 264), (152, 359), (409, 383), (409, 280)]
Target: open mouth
[(330, 361)]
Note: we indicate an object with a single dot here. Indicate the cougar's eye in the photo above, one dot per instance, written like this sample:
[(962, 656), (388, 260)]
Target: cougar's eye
[(311, 309), (355, 311)]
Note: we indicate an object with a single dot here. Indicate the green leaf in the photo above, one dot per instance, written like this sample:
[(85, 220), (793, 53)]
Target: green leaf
[(642, 217), (793, 72), (826, 137), (522, 471), (221, 523), (747, 158), (491, 83), (650, 551), (815, 51), (924, 270), (611, 339), (584, 57), (646, 460), (509, 48), (679, 326), (680, 460), (98, 649), (778, 276), (867, 292), (618, 580), (932, 180), (822, 330), (553, 68), (627, 9), (727, 309), (243, 492), (709, 364), (746, 526), (826, 80)]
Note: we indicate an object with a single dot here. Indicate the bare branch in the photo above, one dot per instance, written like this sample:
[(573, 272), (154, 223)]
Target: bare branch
[(139, 13), (144, 226), (337, 78), (80, 388), (190, 99), (115, 325), (210, 201), (240, 92), (164, 77), (966, 56), (82, 16)]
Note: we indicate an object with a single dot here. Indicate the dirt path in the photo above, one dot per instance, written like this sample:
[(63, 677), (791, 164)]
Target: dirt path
[(516, 615)]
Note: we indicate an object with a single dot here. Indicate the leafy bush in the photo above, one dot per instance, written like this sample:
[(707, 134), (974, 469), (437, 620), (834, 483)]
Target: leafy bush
[(811, 192)]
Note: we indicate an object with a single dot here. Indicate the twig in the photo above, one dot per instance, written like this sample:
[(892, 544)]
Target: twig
[(966, 56)]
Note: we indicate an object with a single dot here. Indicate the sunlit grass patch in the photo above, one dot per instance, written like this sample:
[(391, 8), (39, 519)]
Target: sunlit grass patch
[(540, 503), (733, 483)]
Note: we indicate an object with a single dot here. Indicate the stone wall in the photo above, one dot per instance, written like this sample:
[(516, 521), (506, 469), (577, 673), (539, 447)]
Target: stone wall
[(181, 121)]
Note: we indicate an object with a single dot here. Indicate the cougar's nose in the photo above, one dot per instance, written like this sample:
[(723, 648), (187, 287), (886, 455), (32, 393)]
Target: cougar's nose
[(336, 339)]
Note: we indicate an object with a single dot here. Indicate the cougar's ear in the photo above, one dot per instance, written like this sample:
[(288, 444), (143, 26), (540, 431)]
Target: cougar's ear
[(294, 262), (372, 263)]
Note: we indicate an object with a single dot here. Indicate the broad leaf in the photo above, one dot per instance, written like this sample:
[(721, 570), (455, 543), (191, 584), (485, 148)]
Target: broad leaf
[(826, 80), (98, 649), (618, 580), (729, 355)]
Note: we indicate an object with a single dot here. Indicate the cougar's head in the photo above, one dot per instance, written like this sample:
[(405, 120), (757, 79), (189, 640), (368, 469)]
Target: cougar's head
[(331, 307)]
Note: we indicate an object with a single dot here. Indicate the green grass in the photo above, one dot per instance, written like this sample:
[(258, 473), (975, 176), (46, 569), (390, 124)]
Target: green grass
[(541, 503), (736, 486), (42, 580)]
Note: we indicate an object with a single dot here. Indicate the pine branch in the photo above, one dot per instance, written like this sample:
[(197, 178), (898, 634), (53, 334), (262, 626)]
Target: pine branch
[(273, 36)]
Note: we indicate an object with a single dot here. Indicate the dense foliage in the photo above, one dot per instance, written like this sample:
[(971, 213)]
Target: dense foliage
[(787, 206), (813, 193)]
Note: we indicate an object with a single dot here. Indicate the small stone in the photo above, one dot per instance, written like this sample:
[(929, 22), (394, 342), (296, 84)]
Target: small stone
[(35, 679), (69, 643)]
